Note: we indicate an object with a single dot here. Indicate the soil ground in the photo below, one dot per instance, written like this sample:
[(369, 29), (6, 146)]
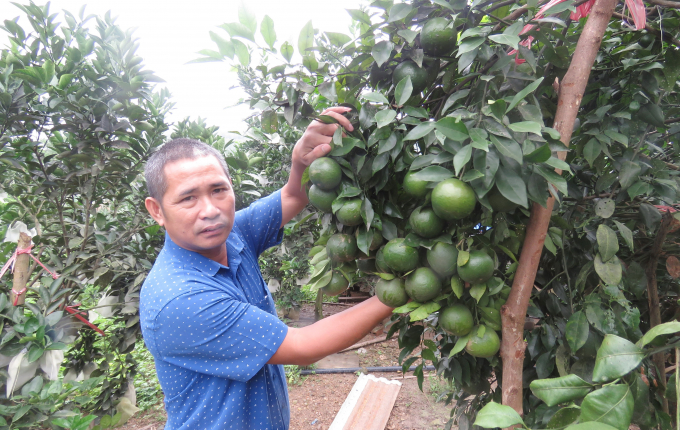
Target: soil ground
[(316, 399)]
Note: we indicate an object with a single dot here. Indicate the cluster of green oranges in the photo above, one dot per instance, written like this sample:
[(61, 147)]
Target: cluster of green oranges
[(410, 272)]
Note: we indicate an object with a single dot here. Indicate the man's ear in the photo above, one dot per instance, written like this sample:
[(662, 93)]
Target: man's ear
[(155, 210)]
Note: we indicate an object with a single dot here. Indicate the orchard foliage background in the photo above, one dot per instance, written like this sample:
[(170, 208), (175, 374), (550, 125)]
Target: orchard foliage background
[(484, 116), (79, 115)]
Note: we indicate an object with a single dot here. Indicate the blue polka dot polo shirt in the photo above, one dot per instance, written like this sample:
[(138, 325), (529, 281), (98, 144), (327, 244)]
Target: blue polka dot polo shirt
[(212, 329)]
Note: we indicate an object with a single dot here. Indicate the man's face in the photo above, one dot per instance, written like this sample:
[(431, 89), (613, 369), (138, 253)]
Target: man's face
[(198, 207)]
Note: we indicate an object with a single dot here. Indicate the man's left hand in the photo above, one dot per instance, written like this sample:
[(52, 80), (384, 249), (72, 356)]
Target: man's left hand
[(316, 141)]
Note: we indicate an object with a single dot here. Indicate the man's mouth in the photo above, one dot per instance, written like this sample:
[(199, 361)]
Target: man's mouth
[(212, 229)]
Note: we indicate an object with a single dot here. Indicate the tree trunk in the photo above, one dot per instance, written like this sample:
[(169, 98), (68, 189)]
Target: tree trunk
[(513, 313), (20, 271), (318, 306), (653, 300)]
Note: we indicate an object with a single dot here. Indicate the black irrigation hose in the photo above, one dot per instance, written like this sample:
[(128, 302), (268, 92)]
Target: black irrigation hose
[(357, 369)]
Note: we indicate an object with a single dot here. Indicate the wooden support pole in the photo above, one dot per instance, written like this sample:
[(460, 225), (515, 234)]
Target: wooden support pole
[(21, 270), (513, 313)]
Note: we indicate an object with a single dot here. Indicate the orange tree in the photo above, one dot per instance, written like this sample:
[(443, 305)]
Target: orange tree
[(453, 182), (78, 118)]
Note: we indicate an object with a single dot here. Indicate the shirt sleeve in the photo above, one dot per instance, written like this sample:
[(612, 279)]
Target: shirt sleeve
[(260, 223), (212, 333)]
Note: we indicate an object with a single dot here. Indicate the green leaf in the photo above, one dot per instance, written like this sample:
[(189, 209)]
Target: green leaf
[(64, 81), (609, 272), (269, 121), (506, 39), (241, 52), (554, 391), (477, 291), (526, 127), (322, 282), (408, 35), (338, 39), (306, 38), (399, 11), (577, 331), (512, 186), (522, 94), (592, 150), (591, 426), (247, 17), (236, 29), (433, 174), (34, 353), (452, 129), (225, 47), (375, 97), (607, 242), (618, 137), (327, 89), (408, 307), (267, 31), (385, 117), (287, 51), (539, 155), (495, 415), (457, 286), (630, 171), (612, 405), (463, 258), (309, 61), (420, 130), (507, 147), (359, 15), (616, 357), (460, 345), (660, 330), (381, 51), (468, 45), (424, 311), (564, 417), (453, 98), (402, 92), (605, 208), (462, 157)]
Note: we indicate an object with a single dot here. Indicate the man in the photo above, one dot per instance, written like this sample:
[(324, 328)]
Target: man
[(206, 313)]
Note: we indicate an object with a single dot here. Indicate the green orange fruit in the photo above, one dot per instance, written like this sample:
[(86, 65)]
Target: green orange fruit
[(498, 201), (337, 285), (399, 256), (456, 319), (391, 293), (414, 187), (325, 173), (453, 199), (410, 69), (483, 343), (380, 263), (350, 213), (438, 37), (425, 223), (322, 199), (423, 285), (478, 269), (443, 259), (341, 248)]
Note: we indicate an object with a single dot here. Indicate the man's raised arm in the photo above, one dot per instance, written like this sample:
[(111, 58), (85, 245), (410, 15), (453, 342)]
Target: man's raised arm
[(315, 143)]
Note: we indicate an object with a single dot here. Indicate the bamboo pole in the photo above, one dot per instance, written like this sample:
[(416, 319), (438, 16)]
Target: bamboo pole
[(21, 271)]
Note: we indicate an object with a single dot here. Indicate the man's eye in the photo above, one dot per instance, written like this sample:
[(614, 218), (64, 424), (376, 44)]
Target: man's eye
[(187, 199)]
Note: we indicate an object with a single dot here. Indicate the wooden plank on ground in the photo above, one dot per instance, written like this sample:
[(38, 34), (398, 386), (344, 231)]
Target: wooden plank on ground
[(368, 405)]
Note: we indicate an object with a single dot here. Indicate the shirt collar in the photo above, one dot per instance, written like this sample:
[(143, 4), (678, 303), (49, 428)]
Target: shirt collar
[(204, 264)]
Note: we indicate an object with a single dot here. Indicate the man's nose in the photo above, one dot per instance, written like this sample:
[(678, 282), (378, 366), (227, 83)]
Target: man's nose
[(208, 209)]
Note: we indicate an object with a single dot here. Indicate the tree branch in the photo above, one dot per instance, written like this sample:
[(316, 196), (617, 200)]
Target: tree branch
[(513, 313), (653, 299)]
